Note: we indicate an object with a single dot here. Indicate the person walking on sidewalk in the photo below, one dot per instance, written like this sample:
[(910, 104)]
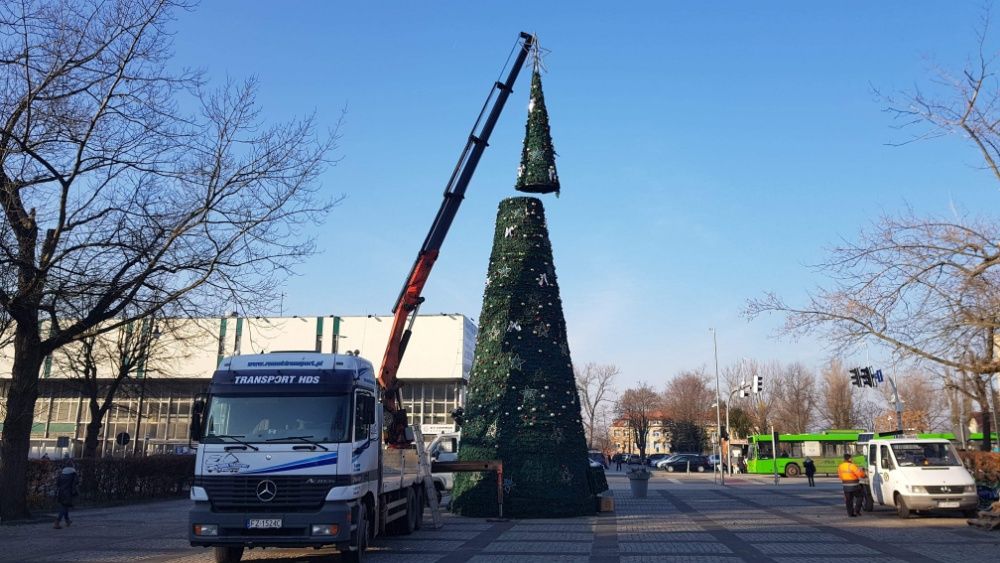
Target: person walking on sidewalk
[(65, 491), (850, 477), (810, 468)]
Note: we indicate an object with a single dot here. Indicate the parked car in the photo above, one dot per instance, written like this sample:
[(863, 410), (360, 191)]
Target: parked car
[(660, 464), (652, 459), (682, 462), (715, 459)]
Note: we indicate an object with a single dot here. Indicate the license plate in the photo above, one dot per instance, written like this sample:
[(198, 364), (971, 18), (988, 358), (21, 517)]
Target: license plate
[(948, 504), (263, 523)]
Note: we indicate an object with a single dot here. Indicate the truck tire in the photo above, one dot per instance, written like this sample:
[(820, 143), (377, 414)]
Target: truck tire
[(902, 510), (409, 522), (228, 554), (792, 470), (420, 507), (354, 552)]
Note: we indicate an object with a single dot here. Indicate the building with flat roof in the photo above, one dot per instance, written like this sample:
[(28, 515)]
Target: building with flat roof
[(153, 406)]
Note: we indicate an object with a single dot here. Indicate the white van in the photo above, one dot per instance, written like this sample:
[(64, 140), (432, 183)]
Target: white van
[(919, 474)]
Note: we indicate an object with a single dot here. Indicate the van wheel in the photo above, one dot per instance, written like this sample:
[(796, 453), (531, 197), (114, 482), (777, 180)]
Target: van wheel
[(792, 470), (228, 554), (902, 510), (868, 503)]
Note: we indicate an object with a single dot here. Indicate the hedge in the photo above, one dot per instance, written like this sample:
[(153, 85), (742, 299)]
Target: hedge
[(113, 480), (984, 466)]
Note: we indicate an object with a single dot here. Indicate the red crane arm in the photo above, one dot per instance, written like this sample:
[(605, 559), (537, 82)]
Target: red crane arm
[(410, 297)]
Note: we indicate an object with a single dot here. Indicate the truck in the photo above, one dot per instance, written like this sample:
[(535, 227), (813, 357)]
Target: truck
[(290, 455), (917, 474), (306, 449)]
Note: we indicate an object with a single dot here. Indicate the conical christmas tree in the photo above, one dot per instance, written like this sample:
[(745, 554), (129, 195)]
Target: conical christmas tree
[(537, 173), (522, 405)]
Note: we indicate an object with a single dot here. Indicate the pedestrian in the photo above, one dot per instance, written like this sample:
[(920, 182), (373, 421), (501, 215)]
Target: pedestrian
[(810, 468), (618, 462), (45, 457), (65, 491), (850, 477)]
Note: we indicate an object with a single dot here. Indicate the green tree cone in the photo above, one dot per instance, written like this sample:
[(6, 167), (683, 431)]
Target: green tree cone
[(537, 172), (522, 405)]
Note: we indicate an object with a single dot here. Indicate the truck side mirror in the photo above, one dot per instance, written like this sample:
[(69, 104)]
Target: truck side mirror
[(197, 412)]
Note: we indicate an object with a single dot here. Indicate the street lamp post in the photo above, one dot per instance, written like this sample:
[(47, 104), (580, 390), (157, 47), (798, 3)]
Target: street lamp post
[(718, 406)]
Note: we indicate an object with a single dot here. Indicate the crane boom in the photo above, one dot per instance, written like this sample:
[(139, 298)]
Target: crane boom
[(410, 298)]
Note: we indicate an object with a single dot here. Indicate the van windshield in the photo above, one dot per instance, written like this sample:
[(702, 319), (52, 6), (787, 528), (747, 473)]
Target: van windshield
[(256, 418), (925, 455)]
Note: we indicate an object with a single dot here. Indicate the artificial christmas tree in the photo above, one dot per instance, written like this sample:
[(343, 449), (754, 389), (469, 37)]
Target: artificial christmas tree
[(537, 173), (522, 405)]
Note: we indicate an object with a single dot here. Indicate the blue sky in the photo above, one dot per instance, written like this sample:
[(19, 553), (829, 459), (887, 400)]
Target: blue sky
[(708, 152)]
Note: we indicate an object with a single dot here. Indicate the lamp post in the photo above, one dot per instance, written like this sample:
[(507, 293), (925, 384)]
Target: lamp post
[(718, 406)]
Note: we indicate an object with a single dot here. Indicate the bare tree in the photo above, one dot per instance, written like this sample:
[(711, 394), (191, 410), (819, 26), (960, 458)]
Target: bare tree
[(759, 407), (928, 289), (836, 398), (118, 204), (795, 399), (638, 408), (687, 398), (596, 387)]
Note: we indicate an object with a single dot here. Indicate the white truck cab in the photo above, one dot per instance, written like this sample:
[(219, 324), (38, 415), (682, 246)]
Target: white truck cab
[(914, 474)]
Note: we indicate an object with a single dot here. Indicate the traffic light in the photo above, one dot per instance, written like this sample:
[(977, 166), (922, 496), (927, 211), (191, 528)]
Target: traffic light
[(758, 384), (878, 376), (855, 377), (866, 377)]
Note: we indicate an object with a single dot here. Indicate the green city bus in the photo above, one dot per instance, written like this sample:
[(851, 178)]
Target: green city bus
[(826, 449)]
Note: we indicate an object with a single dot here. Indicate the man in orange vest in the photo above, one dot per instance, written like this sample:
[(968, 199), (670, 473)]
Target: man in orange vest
[(850, 476)]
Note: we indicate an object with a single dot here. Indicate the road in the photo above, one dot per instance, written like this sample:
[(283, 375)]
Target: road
[(685, 518)]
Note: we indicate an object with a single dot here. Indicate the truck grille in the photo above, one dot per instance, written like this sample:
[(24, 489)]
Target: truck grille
[(290, 493)]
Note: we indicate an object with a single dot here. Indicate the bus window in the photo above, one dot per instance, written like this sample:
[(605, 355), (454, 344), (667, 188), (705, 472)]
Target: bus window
[(764, 450)]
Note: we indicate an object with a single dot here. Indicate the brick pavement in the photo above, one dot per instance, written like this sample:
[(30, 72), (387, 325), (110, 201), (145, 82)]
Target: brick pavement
[(686, 518)]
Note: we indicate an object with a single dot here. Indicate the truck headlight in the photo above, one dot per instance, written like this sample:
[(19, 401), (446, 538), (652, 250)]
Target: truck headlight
[(916, 489), (206, 529), (969, 489)]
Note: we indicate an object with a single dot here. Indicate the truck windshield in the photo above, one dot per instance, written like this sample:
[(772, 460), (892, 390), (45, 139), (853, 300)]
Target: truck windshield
[(256, 419), (925, 455)]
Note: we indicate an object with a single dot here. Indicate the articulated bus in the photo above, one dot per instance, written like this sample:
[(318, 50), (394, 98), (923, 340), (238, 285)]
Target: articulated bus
[(826, 449)]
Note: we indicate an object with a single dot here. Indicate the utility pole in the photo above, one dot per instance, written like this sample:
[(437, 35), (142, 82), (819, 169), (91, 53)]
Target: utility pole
[(718, 407)]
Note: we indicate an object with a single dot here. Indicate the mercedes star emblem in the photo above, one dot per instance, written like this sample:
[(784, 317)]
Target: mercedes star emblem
[(266, 490)]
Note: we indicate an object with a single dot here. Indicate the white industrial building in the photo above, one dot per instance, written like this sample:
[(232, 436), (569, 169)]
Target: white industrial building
[(154, 406)]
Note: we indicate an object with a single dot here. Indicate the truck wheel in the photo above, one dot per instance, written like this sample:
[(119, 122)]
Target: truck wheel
[(792, 470), (355, 551), (228, 554), (409, 523), (902, 510), (420, 508)]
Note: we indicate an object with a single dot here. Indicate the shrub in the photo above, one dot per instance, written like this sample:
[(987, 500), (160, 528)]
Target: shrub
[(984, 466), (112, 480)]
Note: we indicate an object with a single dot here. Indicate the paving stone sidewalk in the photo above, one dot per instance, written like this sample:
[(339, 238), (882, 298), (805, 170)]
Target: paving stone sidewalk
[(685, 518)]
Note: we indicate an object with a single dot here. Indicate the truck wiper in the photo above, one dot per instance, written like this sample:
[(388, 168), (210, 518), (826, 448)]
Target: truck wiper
[(303, 438), (235, 438)]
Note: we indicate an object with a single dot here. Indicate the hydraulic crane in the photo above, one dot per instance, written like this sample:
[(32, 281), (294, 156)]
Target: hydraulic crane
[(410, 297)]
